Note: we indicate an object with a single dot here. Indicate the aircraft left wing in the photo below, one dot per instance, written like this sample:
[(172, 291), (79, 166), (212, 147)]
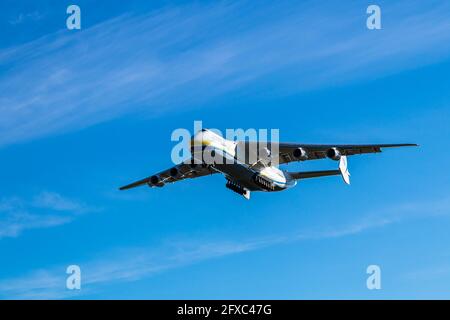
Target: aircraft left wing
[(177, 173)]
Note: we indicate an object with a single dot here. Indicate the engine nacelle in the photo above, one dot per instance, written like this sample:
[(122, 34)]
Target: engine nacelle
[(155, 181), (174, 172), (334, 154), (300, 154)]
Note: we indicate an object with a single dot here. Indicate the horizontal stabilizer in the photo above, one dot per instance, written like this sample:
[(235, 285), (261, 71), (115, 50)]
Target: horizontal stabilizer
[(314, 174)]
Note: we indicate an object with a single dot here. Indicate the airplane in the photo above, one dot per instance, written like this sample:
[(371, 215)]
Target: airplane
[(245, 175)]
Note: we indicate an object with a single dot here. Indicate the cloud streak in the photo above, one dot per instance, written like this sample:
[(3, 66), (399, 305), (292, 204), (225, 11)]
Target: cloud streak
[(178, 56), (125, 265), (132, 264), (25, 17), (47, 209)]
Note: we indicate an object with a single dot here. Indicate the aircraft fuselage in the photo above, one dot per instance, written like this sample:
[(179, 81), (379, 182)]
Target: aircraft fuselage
[(240, 174)]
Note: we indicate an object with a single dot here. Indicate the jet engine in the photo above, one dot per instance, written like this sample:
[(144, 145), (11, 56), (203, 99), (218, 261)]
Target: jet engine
[(174, 172), (334, 153), (155, 181), (300, 154)]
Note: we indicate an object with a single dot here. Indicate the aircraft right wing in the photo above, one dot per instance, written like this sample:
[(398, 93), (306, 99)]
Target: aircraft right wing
[(177, 173), (289, 152)]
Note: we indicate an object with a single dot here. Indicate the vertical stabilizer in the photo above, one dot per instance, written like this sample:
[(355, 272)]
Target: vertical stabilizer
[(344, 169)]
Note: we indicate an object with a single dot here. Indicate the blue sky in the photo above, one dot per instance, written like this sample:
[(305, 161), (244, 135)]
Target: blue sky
[(84, 112)]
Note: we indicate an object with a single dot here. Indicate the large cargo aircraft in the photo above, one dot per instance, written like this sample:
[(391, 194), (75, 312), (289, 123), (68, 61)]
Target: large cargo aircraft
[(252, 166)]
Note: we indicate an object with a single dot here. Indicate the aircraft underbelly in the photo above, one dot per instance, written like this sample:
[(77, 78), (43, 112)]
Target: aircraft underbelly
[(239, 173), (246, 177)]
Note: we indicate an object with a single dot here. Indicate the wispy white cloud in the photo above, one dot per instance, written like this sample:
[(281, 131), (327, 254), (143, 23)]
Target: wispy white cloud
[(428, 274), (24, 17), (55, 201), (47, 209), (132, 264), (383, 217), (125, 265), (171, 58)]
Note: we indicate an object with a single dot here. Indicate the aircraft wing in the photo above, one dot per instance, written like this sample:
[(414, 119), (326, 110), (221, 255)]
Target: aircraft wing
[(179, 172), (289, 152)]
